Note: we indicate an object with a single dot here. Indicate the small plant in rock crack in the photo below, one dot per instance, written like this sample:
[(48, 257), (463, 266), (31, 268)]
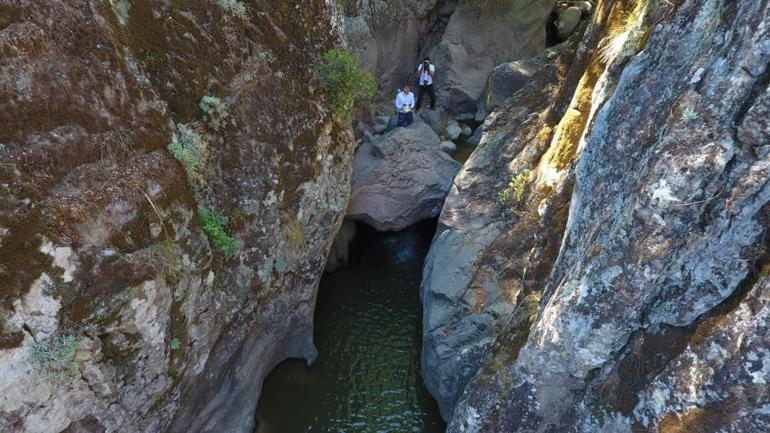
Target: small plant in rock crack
[(689, 114), (175, 344), (295, 235), (214, 225), (215, 111), (280, 266), (234, 8), (513, 194), (189, 148), (121, 9), (55, 357)]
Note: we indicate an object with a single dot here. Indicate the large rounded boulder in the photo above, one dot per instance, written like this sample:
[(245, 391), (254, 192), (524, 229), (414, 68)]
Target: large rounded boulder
[(401, 178)]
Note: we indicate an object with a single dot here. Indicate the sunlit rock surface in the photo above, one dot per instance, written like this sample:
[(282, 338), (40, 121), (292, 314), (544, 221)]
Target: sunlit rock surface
[(626, 289)]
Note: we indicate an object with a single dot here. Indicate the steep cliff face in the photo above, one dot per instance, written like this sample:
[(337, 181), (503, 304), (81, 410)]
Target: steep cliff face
[(125, 305), (390, 34), (481, 35), (601, 260)]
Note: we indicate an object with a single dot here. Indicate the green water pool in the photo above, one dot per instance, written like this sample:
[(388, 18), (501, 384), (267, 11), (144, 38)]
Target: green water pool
[(367, 331)]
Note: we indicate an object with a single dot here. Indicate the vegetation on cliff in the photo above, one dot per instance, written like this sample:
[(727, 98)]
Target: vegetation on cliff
[(345, 83)]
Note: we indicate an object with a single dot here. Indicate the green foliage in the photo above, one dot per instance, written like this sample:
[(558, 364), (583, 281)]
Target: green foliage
[(214, 225), (234, 8), (55, 357), (189, 148), (248, 78), (345, 83), (215, 111), (121, 9), (280, 266), (175, 344), (2, 147), (513, 194), (689, 114), (515, 189)]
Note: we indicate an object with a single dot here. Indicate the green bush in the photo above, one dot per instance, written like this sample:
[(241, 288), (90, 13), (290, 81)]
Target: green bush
[(214, 225), (55, 357), (345, 83), (215, 111), (189, 148), (513, 194), (2, 147), (234, 8)]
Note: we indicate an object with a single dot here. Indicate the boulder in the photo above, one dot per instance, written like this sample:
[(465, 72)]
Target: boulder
[(508, 78), (382, 120), (475, 139), (436, 119), (568, 21), (379, 128), (453, 130), (401, 178), (466, 131), (480, 36), (449, 147), (585, 6), (481, 112)]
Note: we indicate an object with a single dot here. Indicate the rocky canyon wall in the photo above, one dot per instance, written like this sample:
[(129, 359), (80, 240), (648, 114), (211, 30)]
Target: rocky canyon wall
[(600, 264), (144, 293)]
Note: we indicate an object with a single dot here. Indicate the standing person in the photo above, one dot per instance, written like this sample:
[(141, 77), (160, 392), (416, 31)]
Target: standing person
[(426, 72), (404, 105)]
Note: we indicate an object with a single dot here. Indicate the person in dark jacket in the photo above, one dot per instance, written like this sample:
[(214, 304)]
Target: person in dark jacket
[(426, 73)]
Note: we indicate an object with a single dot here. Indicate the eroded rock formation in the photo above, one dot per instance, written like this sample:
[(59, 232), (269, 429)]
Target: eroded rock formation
[(150, 327), (601, 261)]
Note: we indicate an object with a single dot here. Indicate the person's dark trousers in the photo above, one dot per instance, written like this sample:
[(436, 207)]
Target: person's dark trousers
[(422, 90), (405, 119)]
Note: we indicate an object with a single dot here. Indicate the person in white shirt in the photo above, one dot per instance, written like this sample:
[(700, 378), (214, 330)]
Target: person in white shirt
[(405, 105), (426, 72)]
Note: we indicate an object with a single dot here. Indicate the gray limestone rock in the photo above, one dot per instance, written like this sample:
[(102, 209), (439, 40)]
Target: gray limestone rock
[(626, 290), (508, 78), (480, 36), (449, 147), (401, 178), (569, 18), (453, 130)]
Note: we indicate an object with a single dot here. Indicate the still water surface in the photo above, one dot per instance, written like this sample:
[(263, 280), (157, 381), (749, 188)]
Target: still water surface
[(367, 330)]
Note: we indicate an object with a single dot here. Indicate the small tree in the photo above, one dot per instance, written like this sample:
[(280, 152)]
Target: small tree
[(345, 83)]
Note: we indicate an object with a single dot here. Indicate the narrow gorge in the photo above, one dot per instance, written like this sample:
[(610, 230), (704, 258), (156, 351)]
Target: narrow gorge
[(210, 221)]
